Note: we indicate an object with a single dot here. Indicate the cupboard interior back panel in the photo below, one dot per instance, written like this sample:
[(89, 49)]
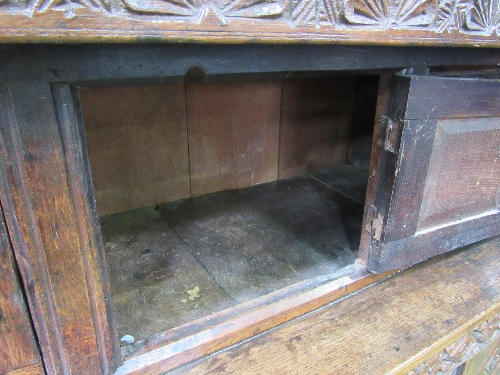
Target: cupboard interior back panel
[(138, 149)]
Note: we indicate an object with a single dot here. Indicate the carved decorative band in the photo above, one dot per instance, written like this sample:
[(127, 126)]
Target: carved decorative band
[(464, 349), (481, 17)]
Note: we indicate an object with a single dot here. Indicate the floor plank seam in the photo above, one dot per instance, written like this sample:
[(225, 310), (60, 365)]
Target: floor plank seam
[(337, 190), (199, 261)]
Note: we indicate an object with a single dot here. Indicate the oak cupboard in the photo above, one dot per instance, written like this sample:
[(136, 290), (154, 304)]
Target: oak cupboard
[(198, 195)]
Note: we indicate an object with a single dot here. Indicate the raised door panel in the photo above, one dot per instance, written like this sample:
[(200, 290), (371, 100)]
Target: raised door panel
[(440, 170)]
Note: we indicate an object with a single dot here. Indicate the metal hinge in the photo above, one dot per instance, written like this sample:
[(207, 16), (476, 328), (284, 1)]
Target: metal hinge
[(375, 223), (392, 134)]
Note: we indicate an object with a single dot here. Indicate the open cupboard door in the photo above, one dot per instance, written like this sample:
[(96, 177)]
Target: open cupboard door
[(434, 182)]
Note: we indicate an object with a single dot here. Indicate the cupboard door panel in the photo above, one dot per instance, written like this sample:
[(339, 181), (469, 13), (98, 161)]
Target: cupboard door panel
[(18, 350), (462, 179), (444, 190)]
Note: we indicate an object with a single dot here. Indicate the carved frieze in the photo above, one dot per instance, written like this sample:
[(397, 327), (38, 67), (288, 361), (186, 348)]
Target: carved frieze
[(387, 14), (473, 17), (448, 360), (197, 10), (483, 16)]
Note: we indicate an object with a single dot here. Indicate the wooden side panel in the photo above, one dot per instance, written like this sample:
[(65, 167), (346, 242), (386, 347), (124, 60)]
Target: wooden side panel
[(137, 139), (51, 221), (316, 122), (233, 134), (18, 348)]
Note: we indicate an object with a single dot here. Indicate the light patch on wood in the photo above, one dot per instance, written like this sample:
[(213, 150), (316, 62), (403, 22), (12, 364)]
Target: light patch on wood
[(194, 293)]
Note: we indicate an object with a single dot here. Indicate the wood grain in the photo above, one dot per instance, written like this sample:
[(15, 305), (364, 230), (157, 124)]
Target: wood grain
[(464, 98), (138, 146), (233, 134), (31, 369), (56, 244), (323, 218), (380, 170), (18, 348), (486, 362), (410, 317), (200, 338), (462, 179)]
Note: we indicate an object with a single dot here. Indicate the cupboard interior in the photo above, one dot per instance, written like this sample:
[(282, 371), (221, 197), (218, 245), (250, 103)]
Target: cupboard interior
[(214, 192)]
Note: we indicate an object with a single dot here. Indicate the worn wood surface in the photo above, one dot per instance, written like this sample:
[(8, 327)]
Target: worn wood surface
[(424, 22), (390, 327), (445, 191), (137, 140), (315, 124), (51, 219), (177, 347), (233, 133), (234, 246), (18, 348), (256, 240), (324, 218), (151, 271)]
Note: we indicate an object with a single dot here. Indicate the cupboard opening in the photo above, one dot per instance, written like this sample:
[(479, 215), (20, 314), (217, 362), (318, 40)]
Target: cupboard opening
[(213, 192)]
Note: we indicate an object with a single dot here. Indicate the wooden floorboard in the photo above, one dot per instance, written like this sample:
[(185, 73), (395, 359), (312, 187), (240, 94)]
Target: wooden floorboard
[(313, 213), (247, 252), (389, 328), (153, 275)]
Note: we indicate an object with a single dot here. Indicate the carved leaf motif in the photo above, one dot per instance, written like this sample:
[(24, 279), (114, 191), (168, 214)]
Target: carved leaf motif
[(320, 12), (483, 16), (451, 15), (387, 14), (173, 7), (69, 6), (448, 360), (255, 9), (198, 10)]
